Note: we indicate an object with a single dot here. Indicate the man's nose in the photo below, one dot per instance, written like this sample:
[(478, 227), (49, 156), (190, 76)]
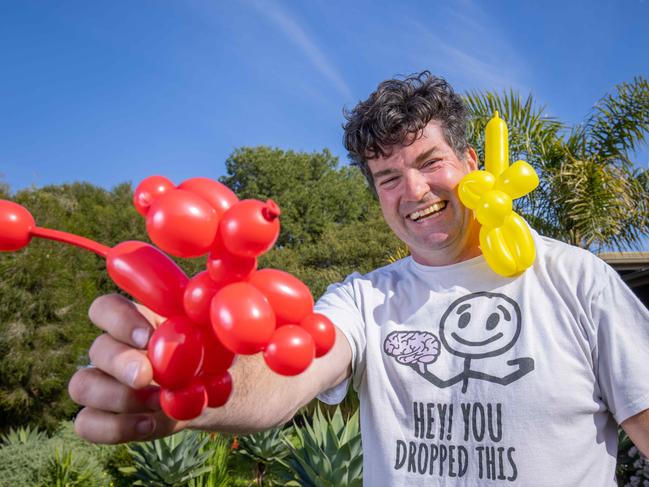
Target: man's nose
[(416, 185)]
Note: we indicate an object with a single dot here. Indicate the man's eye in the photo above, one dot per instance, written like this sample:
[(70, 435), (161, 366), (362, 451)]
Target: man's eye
[(388, 182), (430, 162)]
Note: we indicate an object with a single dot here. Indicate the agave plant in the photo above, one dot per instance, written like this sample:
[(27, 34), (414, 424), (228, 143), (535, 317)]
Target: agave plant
[(328, 452), (23, 436), (170, 462), (268, 450)]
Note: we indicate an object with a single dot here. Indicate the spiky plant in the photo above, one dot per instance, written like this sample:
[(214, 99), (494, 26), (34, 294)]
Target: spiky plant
[(218, 447), (267, 449), (169, 462), (23, 435), (401, 253), (328, 452), (66, 470)]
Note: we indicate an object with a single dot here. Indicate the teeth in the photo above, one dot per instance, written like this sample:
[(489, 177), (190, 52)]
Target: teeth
[(416, 215)]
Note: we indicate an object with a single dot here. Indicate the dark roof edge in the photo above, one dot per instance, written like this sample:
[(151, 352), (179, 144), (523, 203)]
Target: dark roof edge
[(633, 259)]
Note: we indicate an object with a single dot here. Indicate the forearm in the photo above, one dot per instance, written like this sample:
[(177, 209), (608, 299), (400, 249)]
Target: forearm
[(637, 427)]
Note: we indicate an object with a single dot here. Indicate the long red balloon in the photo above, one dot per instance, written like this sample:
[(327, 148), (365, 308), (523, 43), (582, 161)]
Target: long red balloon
[(148, 275)]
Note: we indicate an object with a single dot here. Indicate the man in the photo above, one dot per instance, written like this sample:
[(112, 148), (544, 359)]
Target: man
[(465, 377)]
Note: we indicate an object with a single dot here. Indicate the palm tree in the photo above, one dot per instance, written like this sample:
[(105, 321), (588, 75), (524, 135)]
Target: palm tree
[(591, 193)]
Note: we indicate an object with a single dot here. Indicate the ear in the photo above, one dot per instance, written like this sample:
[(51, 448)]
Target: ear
[(471, 159)]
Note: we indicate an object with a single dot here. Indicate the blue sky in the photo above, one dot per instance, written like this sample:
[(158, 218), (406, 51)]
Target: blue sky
[(115, 91)]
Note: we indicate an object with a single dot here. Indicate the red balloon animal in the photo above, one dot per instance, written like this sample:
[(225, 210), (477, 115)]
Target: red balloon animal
[(230, 308)]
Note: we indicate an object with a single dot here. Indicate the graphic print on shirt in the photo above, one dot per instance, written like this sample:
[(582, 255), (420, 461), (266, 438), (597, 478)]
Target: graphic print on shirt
[(462, 439), (474, 327)]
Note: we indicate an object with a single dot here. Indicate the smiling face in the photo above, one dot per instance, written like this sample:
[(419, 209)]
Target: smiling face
[(417, 189), (480, 325)]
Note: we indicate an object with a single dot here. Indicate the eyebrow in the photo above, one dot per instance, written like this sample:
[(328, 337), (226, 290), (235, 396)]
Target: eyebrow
[(418, 160), (383, 172), (425, 155)]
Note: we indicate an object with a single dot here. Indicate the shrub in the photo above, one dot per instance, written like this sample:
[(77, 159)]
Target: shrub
[(67, 470), (218, 447), (29, 458), (268, 452), (171, 461), (328, 452)]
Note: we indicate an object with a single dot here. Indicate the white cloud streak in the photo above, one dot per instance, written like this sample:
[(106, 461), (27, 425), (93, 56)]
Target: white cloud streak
[(289, 26), (470, 47)]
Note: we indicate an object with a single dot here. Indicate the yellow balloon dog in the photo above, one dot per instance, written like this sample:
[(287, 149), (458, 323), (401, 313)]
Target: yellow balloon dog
[(505, 238)]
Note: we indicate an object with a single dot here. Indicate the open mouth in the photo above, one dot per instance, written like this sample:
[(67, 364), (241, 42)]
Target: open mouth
[(433, 209)]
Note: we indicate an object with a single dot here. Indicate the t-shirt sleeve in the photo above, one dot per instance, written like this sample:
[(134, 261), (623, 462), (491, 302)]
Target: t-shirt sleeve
[(339, 305), (622, 324)]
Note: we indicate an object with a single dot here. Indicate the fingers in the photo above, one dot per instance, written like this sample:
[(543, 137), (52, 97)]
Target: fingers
[(105, 427), (92, 387), (121, 403), (122, 319), (128, 365)]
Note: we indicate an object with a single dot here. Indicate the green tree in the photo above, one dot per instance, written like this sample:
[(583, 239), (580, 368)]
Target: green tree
[(4, 188), (591, 193), (45, 292), (310, 188)]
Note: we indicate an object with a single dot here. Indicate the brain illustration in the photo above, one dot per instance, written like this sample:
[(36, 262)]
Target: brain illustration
[(412, 347)]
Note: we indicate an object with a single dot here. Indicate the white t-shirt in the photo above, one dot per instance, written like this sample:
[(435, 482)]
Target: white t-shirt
[(469, 378)]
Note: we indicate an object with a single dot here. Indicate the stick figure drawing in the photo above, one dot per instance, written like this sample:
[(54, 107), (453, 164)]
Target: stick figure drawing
[(476, 326)]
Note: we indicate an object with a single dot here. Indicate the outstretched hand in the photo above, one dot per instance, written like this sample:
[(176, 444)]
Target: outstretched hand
[(121, 402)]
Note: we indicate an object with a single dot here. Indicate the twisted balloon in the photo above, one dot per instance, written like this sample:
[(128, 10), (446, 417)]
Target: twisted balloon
[(230, 308), (505, 238)]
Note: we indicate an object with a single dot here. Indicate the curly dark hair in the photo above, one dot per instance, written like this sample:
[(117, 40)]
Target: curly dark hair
[(397, 112)]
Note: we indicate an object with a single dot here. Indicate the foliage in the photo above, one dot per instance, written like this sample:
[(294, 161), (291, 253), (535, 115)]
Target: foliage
[(268, 451), (401, 253), (66, 470), (118, 457), (328, 452), (309, 188), (45, 292), (591, 194), (23, 435), (4, 188), (218, 447), (35, 462), (632, 466), (171, 461)]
